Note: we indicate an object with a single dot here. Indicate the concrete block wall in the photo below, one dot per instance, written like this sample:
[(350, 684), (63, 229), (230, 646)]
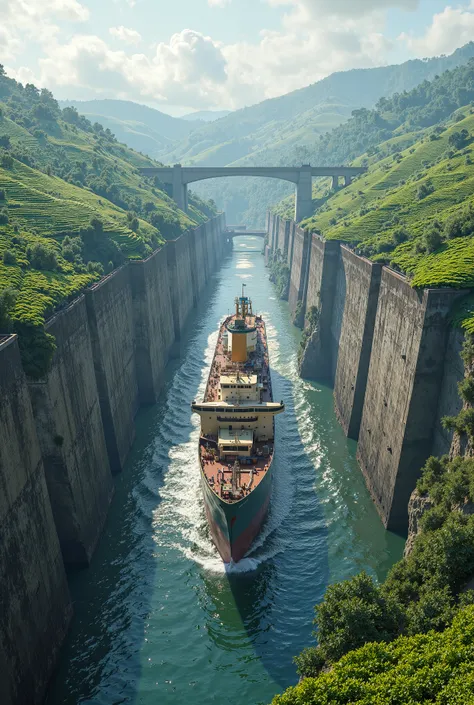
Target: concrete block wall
[(403, 390), (181, 269), (299, 269), (291, 242), (34, 597), (324, 260), (68, 421), (153, 323), (283, 235), (110, 314), (450, 402), (201, 264), (61, 437), (359, 307), (392, 357)]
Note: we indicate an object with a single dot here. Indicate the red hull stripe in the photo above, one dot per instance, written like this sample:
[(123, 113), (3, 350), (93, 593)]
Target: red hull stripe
[(241, 545)]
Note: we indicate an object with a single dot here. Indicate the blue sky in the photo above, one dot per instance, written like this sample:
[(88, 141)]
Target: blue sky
[(212, 54)]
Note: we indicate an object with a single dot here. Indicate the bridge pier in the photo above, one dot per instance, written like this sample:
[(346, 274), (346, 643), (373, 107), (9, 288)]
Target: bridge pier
[(179, 177), (304, 194), (180, 189)]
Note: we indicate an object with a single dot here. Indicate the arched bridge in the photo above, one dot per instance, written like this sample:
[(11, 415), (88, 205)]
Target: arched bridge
[(234, 231), (180, 176)]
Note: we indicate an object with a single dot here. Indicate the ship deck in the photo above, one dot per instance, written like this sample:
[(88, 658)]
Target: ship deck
[(215, 469), (258, 363)]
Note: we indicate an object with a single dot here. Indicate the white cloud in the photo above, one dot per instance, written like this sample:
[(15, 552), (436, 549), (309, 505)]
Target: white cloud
[(218, 3), (449, 29), (318, 8), (315, 38), (126, 35), (34, 21), (190, 69)]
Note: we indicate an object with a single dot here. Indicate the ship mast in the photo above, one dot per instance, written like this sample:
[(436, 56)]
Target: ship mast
[(236, 477)]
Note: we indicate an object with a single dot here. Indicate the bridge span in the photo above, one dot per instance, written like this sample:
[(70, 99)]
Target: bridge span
[(180, 176)]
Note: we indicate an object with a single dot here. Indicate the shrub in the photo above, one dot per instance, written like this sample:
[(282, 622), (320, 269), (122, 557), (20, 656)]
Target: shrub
[(353, 613), (430, 668), (462, 423), (466, 389), (36, 348), (424, 190), (9, 257), (4, 217), (8, 299), (432, 239), (7, 161), (399, 235), (309, 662), (42, 257)]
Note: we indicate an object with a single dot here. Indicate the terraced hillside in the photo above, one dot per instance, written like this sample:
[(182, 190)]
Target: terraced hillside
[(72, 207), (414, 209), (292, 129)]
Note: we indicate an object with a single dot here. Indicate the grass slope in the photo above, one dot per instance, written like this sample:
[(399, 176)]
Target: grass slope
[(73, 205), (369, 212)]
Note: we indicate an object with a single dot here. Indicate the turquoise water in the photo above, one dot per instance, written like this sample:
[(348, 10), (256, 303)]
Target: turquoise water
[(157, 617)]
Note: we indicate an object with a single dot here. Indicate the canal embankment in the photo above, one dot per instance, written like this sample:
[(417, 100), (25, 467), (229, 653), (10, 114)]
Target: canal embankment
[(62, 439), (387, 350)]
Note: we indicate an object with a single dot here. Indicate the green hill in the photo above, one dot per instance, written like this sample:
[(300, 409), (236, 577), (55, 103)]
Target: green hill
[(414, 208), (288, 130), (72, 206), (168, 127)]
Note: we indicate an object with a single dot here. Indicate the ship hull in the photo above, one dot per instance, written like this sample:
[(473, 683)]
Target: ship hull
[(235, 525)]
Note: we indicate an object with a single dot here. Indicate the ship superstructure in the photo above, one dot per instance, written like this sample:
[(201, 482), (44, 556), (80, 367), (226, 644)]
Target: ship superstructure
[(237, 432)]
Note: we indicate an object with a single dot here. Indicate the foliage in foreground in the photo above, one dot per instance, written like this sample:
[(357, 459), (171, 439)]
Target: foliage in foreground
[(424, 668), (422, 592)]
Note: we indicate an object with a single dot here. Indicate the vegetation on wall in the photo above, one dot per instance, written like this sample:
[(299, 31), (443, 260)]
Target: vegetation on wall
[(280, 274), (310, 324)]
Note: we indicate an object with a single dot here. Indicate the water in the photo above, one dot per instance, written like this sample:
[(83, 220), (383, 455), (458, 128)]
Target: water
[(158, 619)]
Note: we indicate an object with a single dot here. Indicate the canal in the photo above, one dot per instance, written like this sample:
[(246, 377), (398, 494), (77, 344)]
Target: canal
[(157, 617)]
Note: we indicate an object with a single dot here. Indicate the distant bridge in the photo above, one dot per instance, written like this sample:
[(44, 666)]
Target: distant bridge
[(235, 232), (180, 176)]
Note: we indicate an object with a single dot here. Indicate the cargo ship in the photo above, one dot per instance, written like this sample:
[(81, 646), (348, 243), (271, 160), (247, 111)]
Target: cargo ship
[(236, 443)]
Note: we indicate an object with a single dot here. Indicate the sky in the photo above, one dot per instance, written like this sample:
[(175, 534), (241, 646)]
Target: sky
[(185, 55)]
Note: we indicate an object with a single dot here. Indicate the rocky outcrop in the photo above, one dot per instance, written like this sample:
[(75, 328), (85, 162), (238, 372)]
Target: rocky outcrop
[(417, 507), (312, 358)]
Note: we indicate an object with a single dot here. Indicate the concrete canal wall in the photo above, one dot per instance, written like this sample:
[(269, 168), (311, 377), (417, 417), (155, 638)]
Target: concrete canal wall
[(389, 353), (63, 437), (34, 597)]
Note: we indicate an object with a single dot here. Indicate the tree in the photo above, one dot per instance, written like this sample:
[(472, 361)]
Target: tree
[(458, 140), (42, 257), (8, 299), (353, 613), (433, 239), (5, 141)]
